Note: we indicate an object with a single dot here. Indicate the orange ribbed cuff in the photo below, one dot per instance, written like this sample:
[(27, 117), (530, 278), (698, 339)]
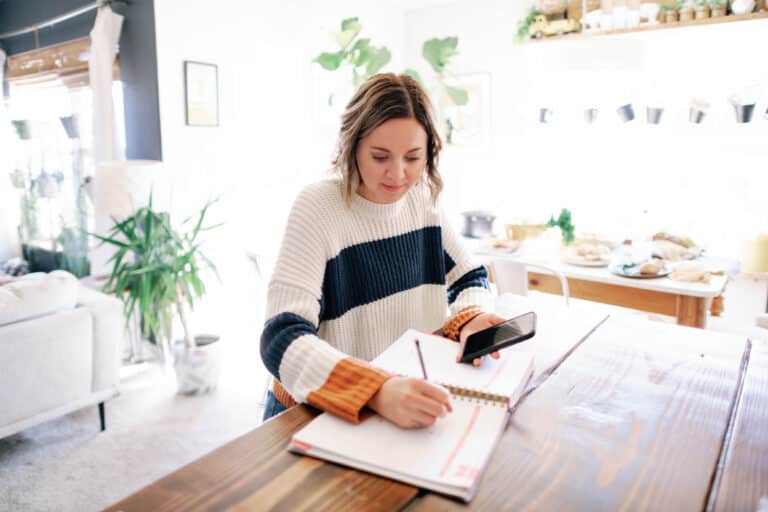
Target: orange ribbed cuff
[(282, 395), (453, 325), (349, 387)]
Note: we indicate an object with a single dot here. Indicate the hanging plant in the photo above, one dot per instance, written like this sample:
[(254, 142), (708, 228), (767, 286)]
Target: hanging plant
[(354, 52)]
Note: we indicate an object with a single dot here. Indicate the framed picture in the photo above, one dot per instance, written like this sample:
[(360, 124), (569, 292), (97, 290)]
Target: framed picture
[(469, 125), (201, 93)]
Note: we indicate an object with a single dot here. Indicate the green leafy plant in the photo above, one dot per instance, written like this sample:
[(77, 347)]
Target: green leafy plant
[(718, 2), (74, 251), (438, 53), (157, 269), (564, 223), (356, 52), (524, 23)]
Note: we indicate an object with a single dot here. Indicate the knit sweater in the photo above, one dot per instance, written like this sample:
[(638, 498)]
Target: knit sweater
[(349, 281)]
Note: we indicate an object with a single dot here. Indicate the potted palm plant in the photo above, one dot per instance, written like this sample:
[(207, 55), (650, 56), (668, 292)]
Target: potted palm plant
[(157, 272)]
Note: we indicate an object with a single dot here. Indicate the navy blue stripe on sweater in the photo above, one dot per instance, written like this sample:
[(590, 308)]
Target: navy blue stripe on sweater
[(475, 278), (449, 263), (371, 271), (279, 332)]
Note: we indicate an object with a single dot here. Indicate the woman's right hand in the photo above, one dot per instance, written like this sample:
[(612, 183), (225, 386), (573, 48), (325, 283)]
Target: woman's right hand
[(411, 403)]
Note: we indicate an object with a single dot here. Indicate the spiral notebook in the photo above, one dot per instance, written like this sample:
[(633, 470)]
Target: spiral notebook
[(448, 457)]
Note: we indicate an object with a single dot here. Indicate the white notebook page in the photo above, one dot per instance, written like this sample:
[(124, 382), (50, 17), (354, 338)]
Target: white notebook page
[(452, 452)]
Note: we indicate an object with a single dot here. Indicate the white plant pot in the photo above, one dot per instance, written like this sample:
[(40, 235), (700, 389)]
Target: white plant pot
[(197, 369), (742, 6)]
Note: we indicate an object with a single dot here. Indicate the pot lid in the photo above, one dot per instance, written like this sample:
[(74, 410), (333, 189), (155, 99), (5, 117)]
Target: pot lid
[(479, 213)]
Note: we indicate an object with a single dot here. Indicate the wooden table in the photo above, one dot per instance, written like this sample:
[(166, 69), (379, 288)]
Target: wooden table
[(688, 302), (639, 416)]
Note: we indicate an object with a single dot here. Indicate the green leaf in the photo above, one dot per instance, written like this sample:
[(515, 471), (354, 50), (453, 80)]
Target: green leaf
[(439, 51), (110, 241), (458, 95), (380, 57), (351, 24), (415, 75), (361, 52), (350, 28), (330, 61)]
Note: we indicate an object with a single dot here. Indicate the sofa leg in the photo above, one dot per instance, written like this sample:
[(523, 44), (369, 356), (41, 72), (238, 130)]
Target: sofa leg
[(101, 416)]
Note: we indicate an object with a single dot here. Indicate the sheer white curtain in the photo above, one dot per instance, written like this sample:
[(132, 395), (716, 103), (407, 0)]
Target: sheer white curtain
[(9, 204), (104, 38)]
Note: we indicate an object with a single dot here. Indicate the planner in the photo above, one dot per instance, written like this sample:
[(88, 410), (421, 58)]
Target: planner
[(448, 457)]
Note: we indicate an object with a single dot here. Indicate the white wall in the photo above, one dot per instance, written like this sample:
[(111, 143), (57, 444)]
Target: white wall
[(707, 181), (275, 134)]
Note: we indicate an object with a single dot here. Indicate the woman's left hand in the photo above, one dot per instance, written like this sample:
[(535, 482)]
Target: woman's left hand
[(477, 324)]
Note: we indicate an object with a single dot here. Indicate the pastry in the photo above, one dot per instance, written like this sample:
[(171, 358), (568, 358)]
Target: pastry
[(650, 268)]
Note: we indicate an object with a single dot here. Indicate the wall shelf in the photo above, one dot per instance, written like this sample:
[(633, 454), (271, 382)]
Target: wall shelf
[(659, 26)]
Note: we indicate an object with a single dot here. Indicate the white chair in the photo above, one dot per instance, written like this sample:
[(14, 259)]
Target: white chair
[(254, 259), (511, 276)]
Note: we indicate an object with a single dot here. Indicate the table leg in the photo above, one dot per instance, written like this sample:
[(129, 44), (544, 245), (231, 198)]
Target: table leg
[(691, 311), (718, 306)]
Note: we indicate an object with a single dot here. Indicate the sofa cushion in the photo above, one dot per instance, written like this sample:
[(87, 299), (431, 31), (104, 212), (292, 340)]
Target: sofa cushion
[(44, 364), (37, 294)]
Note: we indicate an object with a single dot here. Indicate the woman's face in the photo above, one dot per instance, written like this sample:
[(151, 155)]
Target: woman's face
[(391, 159)]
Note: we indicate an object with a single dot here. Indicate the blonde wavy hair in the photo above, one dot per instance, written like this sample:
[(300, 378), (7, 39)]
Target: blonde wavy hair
[(383, 97)]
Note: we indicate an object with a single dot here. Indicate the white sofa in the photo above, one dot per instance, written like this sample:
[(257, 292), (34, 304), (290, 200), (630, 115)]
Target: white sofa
[(60, 346)]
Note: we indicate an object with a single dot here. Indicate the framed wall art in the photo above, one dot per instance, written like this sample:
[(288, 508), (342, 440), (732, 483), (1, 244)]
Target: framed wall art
[(201, 93)]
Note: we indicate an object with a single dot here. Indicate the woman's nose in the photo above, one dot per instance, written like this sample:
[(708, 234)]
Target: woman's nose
[(397, 169)]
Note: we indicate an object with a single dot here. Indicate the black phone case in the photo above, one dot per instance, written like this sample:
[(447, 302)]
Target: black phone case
[(468, 358)]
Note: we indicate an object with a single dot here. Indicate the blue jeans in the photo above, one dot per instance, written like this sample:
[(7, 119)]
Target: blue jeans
[(272, 407)]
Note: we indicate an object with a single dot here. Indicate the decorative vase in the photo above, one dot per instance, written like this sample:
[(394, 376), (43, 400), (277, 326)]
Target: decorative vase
[(698, 111), (670, 17), (686, 14), (718, 10), (590, 115), (197, 368), (744, 112), (551, 6), (653, 114), (742, 6), (626, 113), (701, 12)]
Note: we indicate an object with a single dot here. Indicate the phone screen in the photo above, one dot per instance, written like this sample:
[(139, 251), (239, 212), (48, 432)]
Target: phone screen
[(499, 336)]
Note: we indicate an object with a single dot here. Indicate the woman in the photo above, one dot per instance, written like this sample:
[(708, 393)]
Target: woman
[(364, 257)]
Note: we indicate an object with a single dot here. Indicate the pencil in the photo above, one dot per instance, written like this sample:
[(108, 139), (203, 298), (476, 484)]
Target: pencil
[(421, 359)]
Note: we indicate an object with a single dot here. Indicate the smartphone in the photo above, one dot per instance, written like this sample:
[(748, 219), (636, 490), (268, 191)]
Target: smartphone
[(509, 332)]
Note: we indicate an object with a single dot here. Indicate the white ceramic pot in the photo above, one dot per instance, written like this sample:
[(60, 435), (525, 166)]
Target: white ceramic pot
[(742, 6), (197, 369)]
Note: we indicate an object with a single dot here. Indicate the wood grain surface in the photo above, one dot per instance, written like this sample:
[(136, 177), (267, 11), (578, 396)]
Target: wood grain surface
[(644, 300), (634, 419), (256, 472), (744, 482), (640, 416)]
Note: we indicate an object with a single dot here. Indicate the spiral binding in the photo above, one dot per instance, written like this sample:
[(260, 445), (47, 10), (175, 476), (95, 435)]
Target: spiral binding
[(474, 395)]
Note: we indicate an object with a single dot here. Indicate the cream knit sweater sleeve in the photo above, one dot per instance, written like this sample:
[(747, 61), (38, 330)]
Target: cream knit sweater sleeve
[(310, 369)]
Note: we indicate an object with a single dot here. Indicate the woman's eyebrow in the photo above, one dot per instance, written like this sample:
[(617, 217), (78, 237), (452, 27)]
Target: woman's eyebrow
[(378, 148)]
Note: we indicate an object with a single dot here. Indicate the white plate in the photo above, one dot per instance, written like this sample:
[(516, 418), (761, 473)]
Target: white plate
[(586, 263)]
